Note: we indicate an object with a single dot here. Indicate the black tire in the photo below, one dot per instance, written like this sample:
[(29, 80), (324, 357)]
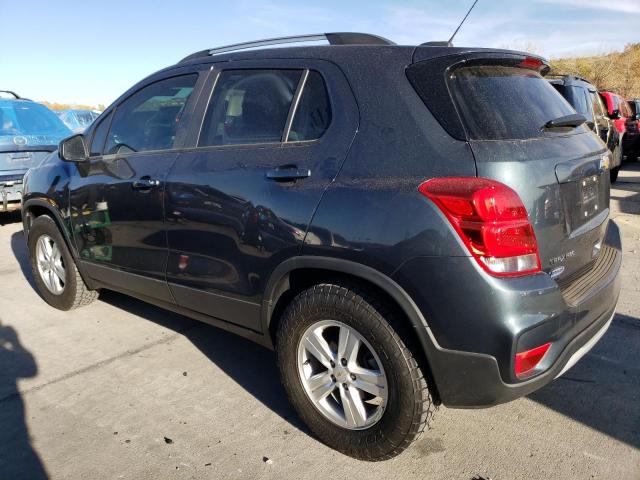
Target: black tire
[(614, 174), (75, 293), (409, 406)]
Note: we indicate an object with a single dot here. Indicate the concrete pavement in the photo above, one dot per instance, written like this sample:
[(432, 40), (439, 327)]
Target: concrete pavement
[(122, 389)]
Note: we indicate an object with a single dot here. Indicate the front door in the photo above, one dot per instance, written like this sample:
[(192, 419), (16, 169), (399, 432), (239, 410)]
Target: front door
[(240, 201), (116, 201)]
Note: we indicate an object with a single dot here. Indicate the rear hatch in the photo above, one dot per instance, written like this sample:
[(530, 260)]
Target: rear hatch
[(500, 104), (28, 133)]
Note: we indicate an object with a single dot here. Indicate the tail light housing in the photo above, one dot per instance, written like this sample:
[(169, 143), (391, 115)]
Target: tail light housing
[(525, 362), (491, 220)]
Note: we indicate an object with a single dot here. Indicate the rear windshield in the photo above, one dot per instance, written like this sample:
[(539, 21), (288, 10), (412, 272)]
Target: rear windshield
[(503, 103), (26, 124)]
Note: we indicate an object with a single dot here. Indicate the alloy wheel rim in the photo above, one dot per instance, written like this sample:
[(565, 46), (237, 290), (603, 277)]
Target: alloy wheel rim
[(342, 375), (50, 264)]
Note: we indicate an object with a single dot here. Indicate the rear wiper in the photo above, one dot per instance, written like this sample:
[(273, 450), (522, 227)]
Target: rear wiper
[(573, 120)]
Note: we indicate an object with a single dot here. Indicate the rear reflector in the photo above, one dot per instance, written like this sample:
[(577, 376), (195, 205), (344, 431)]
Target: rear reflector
[(527, 361), (491, 221)]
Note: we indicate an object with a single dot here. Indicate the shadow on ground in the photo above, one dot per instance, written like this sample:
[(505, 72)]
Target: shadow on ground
[(18, 459), (602, 391), (9, 218), (251, 366)]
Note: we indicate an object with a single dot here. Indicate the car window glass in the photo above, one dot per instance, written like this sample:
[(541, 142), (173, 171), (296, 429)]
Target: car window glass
[(484, 96), (148, 120), (313, 113), (249, 106), (100, 135), (580, 102), (597, 104)]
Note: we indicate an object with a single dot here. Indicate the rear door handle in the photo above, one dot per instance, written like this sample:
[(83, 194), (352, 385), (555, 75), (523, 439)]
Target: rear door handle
[(288, 173), (145, 183)]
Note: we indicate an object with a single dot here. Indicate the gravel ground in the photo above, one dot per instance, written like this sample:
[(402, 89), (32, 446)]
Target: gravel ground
[(122, 389)]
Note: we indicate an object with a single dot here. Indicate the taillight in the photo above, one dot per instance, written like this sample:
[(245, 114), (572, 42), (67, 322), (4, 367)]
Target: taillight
[(531, 62), (527, 361), (491, 221)]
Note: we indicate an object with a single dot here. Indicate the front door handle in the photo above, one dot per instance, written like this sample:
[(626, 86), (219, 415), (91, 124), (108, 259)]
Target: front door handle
[(288, 173), (145, 183)]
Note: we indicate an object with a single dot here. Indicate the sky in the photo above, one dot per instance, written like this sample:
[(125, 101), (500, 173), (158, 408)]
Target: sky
[(90, 52)]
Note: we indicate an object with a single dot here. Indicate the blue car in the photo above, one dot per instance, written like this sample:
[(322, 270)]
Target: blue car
[(29, 132)]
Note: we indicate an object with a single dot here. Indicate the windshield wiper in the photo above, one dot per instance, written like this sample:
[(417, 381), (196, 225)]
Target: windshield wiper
[(573, 120)]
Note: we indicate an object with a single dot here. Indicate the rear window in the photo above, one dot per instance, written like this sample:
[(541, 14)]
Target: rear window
[(503, 103)]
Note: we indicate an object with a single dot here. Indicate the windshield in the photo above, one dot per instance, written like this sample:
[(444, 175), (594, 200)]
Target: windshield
[(29, 124), (506, 103)]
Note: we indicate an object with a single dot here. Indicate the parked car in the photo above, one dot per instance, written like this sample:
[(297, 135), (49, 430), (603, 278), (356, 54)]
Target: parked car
[(390, 219), (29, 132), (584, 98), (78, 120), (635, 111), (627, 125)]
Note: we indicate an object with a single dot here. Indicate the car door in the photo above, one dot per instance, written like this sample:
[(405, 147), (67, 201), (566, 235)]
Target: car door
[(116, 199), (603, 123), (274, 135)]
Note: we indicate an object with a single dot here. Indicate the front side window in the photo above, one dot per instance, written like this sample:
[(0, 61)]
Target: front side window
[(148, 120), (100, 135), (249, 106)]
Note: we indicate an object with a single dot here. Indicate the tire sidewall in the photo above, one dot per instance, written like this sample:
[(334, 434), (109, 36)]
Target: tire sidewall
[(398, 417), (44, 225)]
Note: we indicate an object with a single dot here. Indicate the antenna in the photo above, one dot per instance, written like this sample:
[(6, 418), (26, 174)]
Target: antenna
[(465, 17)]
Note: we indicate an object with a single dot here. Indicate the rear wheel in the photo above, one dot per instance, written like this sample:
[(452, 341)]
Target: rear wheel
[(614, 174), (349, 374), (55, 273)]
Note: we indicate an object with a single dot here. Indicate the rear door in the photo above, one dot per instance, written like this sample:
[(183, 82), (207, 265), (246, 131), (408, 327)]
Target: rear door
[(560, 173), (239, 201), (117, 197)]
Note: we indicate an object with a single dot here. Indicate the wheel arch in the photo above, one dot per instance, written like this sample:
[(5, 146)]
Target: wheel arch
[(36, 207), (298, 273)]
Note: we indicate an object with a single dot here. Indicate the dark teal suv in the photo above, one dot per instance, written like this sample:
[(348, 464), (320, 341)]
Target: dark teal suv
[(405, 225)]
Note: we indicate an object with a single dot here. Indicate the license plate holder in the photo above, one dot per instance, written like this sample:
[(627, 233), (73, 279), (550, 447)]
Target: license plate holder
[(589, 195)]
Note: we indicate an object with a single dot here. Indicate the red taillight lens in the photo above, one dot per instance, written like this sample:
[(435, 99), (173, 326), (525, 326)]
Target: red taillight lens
[(527, 361), (491, 221), (531, 62)]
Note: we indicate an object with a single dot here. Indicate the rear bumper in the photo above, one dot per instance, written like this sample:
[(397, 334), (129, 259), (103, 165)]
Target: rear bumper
[(10, 196), (476, 328)]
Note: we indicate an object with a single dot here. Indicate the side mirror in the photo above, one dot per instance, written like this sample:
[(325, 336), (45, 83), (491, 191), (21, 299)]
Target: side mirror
[(73, 149), (615, 114)]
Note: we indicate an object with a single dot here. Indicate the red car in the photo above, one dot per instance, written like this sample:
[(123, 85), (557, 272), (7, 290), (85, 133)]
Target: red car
[(625, 121)]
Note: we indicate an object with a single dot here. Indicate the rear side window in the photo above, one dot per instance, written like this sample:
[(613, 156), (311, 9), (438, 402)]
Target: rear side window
[(502, 103), (313, 114), (249, 106), (148, 120)]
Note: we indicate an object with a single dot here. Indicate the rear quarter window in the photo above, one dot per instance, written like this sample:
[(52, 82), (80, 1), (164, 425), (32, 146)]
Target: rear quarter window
[(505, 103)]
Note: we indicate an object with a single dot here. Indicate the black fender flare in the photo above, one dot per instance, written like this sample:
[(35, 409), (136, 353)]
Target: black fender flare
[(54, 213), (279, 283)]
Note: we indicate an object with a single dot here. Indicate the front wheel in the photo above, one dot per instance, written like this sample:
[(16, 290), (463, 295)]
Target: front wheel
[(349, 374), (55, 273)]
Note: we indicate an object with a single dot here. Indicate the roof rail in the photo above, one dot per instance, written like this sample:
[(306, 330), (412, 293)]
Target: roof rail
[(437, 43), (15, 95), (337, 38)]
